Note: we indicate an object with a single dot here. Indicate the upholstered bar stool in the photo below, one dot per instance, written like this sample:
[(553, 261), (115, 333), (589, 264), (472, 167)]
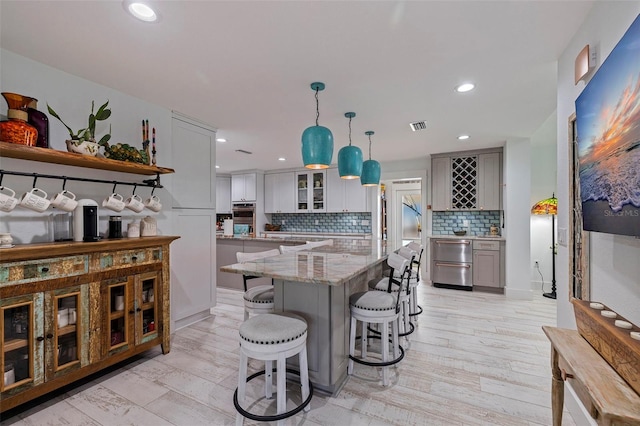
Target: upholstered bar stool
[(414, 308), (269, 338), (378, 307), (384, 284), (257, 299)]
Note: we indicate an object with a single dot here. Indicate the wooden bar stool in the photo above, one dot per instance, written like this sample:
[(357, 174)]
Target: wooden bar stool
[(257, 299), (383, 308), (273, 337)]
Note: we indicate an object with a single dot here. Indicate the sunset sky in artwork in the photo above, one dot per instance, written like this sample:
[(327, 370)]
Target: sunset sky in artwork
[(608, 109)]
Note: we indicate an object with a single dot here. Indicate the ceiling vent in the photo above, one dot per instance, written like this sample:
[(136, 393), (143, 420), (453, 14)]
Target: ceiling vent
[(243, 151), (418, 125)]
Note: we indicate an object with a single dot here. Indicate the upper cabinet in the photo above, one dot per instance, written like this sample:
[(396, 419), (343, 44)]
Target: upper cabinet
[(223, 194), (279, 192), (194, 155), (311, 192), (467, 181), (243, 187), (345, 195)]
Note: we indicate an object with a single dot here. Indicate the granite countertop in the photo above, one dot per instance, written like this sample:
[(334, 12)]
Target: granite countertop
[(470, 237), (323, 265)]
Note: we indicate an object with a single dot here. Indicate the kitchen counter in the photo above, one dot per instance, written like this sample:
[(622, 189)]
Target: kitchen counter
[(470, 237)]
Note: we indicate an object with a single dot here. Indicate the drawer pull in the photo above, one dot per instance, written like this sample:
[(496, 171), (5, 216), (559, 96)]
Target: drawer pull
[(134, 258), (453, 265), (465, 242), (45, 269), (39, 338), (49, 336)]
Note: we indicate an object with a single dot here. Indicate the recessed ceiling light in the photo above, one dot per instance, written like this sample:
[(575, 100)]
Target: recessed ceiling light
[(465, 87), (463, 137), (221, 140), (141, 11), (282, 159), (217, 167)]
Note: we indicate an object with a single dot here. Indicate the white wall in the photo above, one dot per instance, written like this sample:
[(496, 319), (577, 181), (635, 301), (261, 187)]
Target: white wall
[(517, 211), (614, 259), (543, 185)]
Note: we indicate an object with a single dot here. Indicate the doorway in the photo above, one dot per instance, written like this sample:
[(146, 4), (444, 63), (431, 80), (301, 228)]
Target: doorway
[(404, 213)]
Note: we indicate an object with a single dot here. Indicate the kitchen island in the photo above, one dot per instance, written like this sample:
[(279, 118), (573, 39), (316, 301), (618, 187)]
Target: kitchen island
[(316, 285)]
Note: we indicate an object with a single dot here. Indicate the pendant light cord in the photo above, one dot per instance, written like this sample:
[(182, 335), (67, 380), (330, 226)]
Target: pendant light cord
[(349, 131), (369, 147), (317, 107)]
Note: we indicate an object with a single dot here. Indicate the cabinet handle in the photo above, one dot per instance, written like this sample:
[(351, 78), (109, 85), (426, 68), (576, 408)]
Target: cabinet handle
[(138, 309), (134, 258), (45, 269), (453, 265), (39, 338), (49, 336)]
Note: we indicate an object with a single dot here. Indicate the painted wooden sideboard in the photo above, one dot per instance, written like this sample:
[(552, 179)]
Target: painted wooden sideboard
[(70, 309)]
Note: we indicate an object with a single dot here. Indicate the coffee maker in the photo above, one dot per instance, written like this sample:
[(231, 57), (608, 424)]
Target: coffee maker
[(85, 221)]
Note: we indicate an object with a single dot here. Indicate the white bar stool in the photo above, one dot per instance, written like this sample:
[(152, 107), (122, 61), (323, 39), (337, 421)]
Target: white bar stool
[(414, 280), (378, 307), (299, 247), (257, 299), (273, 337)]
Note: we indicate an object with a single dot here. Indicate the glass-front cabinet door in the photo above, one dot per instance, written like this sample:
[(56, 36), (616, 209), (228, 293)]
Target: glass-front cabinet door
[(119, 294), (147, 299), (67, 345), (311, 191), (21, 325)]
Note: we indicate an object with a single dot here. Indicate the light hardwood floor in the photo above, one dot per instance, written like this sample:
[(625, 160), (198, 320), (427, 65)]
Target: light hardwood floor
[(475, 359)]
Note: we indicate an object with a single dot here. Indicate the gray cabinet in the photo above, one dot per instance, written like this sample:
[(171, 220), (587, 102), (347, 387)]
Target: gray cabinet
[(345, 195), (466, 181), (243, 187), (488, 264), (223, 194), (279, 192)]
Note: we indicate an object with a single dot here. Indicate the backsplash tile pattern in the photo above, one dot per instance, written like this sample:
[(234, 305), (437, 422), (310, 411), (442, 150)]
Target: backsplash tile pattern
[(326, 222), (444, 223)]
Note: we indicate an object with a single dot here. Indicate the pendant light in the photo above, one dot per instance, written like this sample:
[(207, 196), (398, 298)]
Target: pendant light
[(350, 157), (317, 141), (370, 168)]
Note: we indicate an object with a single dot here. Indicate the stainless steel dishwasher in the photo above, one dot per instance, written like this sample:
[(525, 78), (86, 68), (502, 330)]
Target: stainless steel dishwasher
[(451, 263)]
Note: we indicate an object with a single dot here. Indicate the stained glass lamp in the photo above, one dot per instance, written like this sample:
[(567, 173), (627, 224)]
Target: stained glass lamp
[(549, 206)]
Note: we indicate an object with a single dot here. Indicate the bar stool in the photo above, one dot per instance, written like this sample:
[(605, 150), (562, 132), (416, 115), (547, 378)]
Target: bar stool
[(299, 247), (414, 308), (273, 337), (258, 299), (378, 307), (383, 284), (314, 244)]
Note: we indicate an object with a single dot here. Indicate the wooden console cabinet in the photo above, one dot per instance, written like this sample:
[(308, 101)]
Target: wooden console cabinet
[(70, 309)]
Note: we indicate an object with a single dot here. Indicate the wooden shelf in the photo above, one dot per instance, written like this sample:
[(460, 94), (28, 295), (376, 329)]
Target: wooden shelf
[(48, 155), (116, 314), (13, 344), (62, 331)]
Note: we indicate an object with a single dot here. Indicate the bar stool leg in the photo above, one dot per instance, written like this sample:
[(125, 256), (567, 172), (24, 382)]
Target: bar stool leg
[(268, 378), (304, 376), (242, 377), (281, 390), (364, 340), (384, 347), (352, 344), (395, 340)]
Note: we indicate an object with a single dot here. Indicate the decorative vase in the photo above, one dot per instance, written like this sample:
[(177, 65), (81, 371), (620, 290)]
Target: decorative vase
[(16, 129), (86, 147), (40, 121)]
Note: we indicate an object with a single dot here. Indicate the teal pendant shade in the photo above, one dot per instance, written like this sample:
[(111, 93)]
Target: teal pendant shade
[(370, 168), (350, 162), (350, 157), (370, 173), (317, 141)]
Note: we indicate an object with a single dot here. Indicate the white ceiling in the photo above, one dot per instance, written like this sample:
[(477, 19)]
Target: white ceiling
[(245, 67)]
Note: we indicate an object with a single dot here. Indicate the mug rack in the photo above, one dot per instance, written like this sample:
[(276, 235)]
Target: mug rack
[(150, 183)]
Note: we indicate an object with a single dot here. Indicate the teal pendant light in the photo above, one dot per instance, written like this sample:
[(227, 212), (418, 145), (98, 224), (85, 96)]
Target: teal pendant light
[(317, 141), (350, 157), (370, 168)]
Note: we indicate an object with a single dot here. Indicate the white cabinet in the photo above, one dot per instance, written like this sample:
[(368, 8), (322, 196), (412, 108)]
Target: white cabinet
[(345, 195), (311, 192), (243, 187), (466, 181), (488, 263), (279, 192), (194, 156), (223, 194)]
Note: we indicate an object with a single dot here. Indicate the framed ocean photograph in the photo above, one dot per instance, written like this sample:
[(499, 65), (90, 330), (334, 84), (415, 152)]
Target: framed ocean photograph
[(608, 126)]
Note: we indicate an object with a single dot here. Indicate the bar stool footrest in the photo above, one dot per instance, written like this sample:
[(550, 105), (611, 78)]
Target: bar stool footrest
[(378, 363), (416, 313), (411, 330), (274, 417)]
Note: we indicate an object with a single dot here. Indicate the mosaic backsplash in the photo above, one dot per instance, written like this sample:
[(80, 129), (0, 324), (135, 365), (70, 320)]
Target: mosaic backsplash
[(444, 223), (323, 222)]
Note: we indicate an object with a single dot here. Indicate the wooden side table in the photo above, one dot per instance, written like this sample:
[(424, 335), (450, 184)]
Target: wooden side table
[(606, 396)]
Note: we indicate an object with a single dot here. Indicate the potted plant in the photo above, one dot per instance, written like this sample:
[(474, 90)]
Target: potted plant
[(83, 141)]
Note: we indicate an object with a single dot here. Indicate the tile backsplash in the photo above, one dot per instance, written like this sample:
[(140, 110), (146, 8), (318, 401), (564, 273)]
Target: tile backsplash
[(323, 222), (444, 223)]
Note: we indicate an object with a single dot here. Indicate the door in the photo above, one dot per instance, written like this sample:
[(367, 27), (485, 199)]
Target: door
[(408, 209)]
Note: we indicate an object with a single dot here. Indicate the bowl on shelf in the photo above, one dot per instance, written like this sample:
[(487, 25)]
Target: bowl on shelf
[(460, 233)]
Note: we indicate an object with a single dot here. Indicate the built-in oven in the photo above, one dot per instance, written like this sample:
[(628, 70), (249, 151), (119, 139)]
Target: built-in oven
[(451, 263), (244, 214)]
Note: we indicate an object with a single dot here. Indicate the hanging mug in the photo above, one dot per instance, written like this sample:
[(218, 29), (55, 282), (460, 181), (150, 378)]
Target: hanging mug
[(8, 201), (64, 200), (35, 200), (153, 203)]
